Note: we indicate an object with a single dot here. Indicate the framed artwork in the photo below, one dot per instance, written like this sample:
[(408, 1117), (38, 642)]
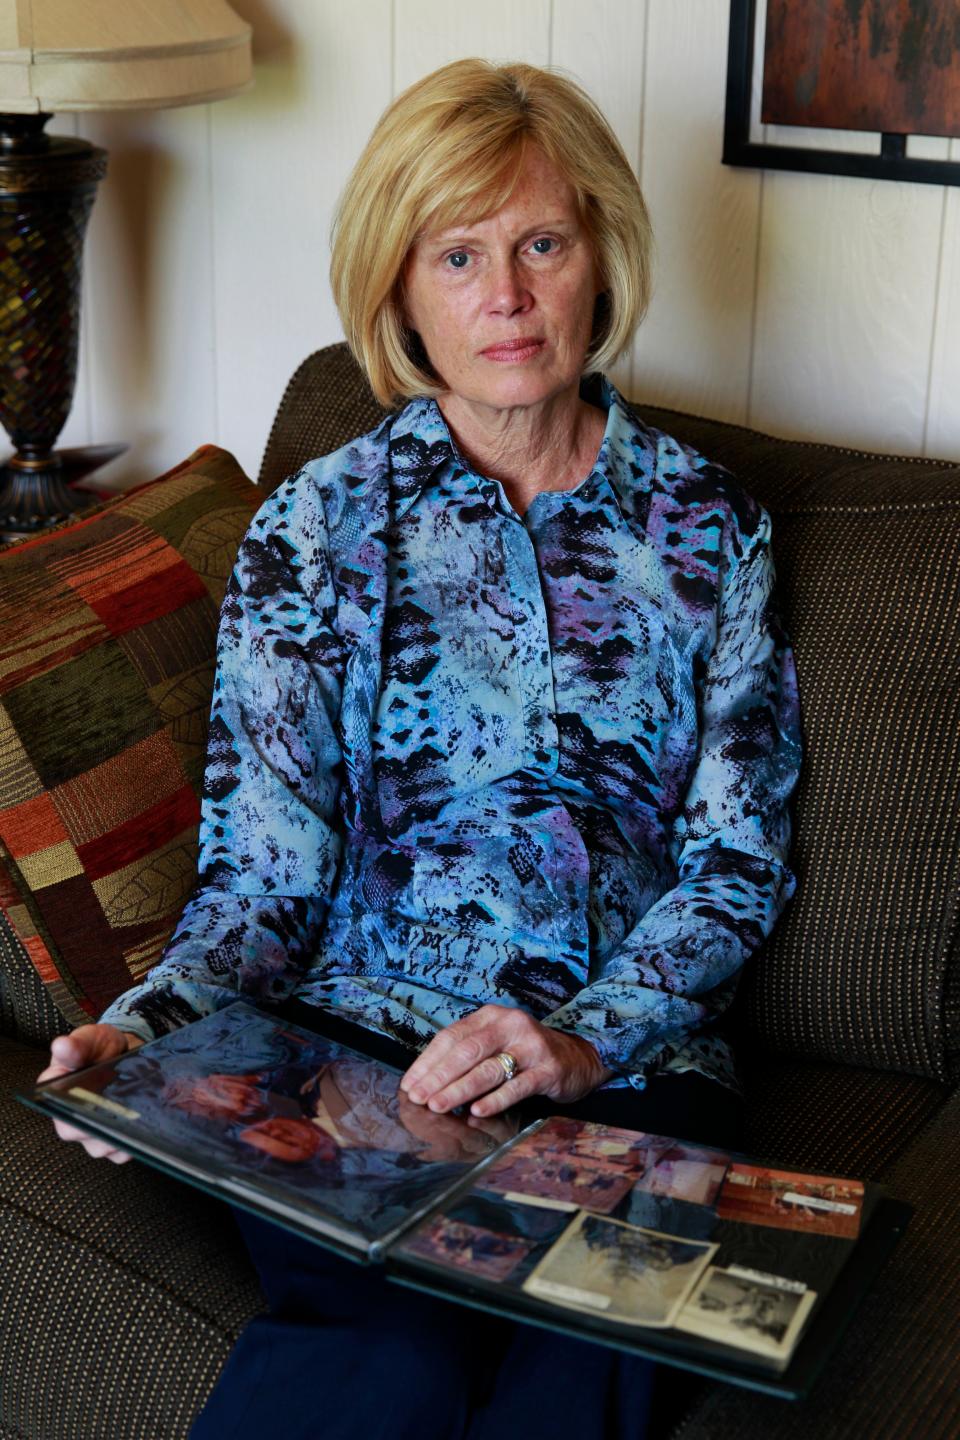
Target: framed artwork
[(882, 70)]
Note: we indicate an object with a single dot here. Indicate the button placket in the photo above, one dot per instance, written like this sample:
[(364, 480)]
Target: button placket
[(534, 668), (568, 860)]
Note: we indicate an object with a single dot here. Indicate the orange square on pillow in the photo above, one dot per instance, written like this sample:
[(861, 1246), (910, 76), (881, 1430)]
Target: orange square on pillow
[(34, 825), (149, 598)]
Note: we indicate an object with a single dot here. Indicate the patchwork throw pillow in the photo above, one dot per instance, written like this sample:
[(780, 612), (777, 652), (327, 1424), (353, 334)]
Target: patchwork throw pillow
[(107, 643)]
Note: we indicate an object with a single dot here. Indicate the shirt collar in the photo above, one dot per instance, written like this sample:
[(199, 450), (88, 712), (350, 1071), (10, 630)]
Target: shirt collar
[(423, 454)]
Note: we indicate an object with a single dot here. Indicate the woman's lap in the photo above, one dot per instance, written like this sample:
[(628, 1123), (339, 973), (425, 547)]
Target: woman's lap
[(344, 1353)]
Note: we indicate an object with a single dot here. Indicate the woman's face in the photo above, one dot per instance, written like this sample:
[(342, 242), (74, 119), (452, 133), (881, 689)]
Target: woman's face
[(504, 306), (288, 1138)]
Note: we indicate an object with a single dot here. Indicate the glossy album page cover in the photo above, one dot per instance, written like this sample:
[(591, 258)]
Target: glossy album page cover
[(270, 1115)]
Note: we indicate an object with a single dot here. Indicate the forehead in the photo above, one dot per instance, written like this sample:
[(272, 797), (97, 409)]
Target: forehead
[(537, 192)]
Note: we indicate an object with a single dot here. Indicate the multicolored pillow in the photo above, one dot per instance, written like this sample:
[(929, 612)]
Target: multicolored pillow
[(107, 643)]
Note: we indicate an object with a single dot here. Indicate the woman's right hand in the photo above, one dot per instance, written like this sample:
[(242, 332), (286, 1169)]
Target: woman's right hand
[(88, 1045)]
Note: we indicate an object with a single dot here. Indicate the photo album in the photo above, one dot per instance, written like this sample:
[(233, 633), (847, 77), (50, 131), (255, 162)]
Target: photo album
[(692, 1255)]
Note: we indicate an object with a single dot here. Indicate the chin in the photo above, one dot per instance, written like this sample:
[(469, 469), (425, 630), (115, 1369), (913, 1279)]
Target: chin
[(517, 387)]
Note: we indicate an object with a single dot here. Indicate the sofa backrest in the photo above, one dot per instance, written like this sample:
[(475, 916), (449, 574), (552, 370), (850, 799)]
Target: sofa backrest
[(863, 967)]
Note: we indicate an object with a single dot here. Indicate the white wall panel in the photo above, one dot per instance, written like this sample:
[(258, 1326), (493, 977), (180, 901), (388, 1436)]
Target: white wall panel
[(148, 337), (431, 33), (693, 350), (943, 409), (602, 46), (847, 278), (281, 154)]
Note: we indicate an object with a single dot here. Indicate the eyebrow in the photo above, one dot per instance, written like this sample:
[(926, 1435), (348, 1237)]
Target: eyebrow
[(453, 233)]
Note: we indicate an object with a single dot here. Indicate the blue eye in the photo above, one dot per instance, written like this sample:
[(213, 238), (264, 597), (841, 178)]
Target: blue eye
[(459, 260), (543, 246)]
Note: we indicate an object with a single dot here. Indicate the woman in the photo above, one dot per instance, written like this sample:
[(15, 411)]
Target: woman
[(503, 738)]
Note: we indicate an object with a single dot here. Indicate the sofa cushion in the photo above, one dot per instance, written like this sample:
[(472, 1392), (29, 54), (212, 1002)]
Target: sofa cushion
[(107, 643), (863, 968), (123, 1290)]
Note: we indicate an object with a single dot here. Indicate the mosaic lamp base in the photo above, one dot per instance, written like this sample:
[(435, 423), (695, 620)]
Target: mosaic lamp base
[(47, 188)]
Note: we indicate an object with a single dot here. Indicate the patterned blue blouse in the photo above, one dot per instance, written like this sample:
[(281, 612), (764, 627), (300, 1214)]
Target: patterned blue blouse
[(458, 755)]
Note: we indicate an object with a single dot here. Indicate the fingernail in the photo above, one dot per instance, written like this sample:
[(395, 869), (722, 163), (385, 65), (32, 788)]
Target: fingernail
[(416, 1096)]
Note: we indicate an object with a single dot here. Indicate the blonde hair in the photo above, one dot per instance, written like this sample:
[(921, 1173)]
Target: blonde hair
[(449, 150)]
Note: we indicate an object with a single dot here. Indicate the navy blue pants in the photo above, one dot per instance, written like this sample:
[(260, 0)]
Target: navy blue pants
[(343, 1354)]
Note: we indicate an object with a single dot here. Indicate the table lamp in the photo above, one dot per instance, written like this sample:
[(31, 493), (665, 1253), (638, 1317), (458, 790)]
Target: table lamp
[(76, 55)]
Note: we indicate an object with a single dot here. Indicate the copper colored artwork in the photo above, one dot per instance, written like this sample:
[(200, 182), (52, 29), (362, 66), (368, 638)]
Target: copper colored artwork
[(882, 65)]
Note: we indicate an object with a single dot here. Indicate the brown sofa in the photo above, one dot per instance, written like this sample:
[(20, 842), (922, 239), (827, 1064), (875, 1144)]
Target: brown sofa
[(124, 1290)]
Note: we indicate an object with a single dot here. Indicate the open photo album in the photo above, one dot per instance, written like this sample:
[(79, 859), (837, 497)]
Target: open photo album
[(693, 1255)]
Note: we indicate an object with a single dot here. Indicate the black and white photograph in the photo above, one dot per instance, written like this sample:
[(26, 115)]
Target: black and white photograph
[(751, 1314)]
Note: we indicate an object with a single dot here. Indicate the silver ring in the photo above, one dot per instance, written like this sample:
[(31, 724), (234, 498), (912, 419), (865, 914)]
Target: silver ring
[(509, 1064)]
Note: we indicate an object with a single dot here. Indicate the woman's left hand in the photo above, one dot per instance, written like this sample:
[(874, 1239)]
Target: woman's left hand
[(460, 1064)]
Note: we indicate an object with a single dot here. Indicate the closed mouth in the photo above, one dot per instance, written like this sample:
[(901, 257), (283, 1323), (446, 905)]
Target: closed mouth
[(521, 348)]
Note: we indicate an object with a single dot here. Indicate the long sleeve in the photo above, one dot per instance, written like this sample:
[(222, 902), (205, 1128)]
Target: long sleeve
[(269, 845), (676, 969)]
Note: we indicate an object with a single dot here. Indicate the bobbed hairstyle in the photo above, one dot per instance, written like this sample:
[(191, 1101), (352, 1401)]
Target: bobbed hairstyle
[(449, 151)]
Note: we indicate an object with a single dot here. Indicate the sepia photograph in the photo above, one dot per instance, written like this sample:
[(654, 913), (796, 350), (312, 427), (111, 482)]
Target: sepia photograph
[(635, 1276)]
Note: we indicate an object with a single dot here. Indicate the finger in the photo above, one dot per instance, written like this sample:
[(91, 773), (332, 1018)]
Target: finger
[(99, 1149), (67, 1052), (511, 1092), (52, 1072), (478, 1081), (461, 1047), (460, 1037), (70, 1132)]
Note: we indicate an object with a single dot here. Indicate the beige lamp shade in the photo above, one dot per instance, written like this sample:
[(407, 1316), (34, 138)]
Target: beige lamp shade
[(119, 54)]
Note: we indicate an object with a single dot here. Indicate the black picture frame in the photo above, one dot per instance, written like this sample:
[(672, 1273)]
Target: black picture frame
[(892, 163)]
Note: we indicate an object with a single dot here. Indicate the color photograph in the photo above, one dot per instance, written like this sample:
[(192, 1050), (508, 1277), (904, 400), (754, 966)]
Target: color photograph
[(570, 1164), (682, 1172), (486, 1254), (814, 1204)]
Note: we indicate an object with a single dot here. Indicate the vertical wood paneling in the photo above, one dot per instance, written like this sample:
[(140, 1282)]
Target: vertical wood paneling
[(601, 45), (693, 350), (281, 154), (943, 409), (815, 306), (847, 273), (149, 323), (431, 33)]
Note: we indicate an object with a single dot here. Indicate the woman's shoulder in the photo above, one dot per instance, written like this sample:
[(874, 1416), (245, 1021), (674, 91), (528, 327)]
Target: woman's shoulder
[(351, 471), (688, 487), (323, 490)]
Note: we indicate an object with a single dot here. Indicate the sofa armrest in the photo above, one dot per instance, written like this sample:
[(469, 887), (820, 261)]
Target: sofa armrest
[(895, 1372)]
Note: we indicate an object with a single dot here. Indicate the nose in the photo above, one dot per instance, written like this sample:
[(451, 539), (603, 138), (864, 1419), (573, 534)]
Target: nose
[(509, 294)]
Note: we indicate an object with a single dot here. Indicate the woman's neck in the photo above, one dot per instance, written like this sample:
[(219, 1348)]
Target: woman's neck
[(529, 448)]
